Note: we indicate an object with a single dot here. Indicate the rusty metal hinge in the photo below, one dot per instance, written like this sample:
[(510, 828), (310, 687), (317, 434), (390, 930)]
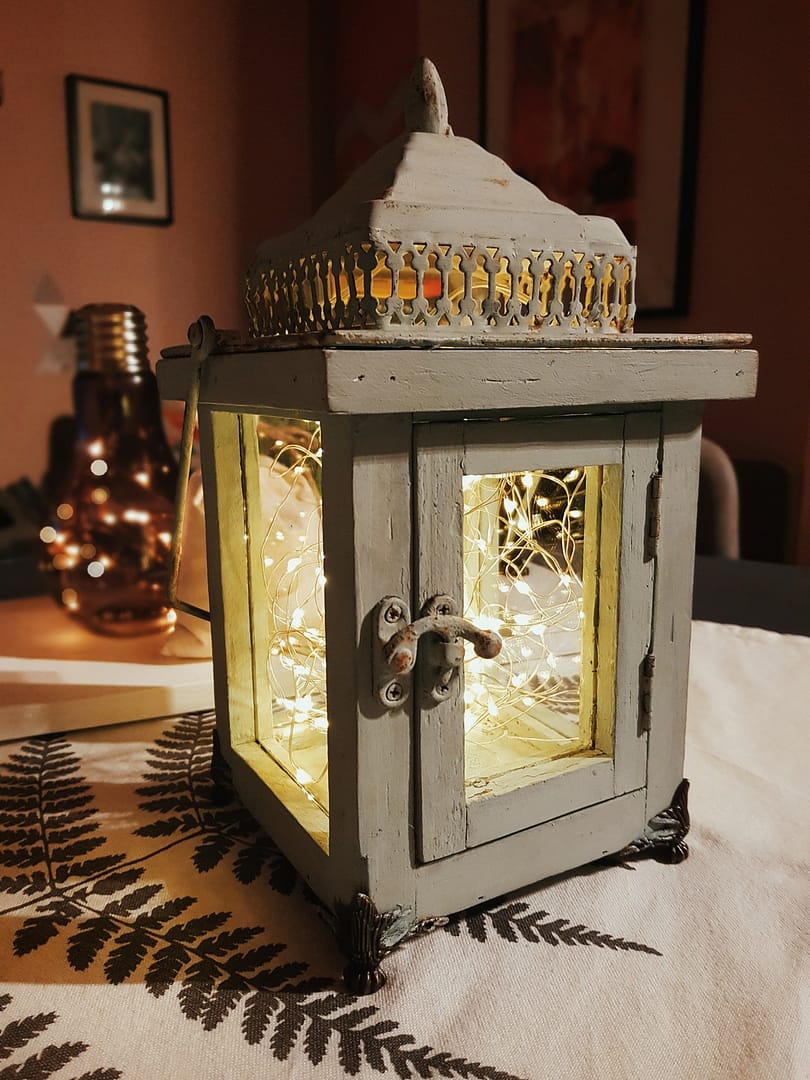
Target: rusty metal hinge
[(645, 695), (654, 492)]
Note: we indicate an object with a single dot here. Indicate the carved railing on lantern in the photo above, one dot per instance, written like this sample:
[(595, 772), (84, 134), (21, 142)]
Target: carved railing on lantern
[(394, 248)]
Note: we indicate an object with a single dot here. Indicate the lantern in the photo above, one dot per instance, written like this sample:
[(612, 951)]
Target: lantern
[(450, 504)]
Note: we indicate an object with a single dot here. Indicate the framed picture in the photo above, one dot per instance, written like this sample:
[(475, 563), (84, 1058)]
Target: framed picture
[(596, 102), (118, 140)]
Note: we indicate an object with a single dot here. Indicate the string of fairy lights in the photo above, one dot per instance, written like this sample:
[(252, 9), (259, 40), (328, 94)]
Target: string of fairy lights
[(292, 561), (523, 539), (522, 552)]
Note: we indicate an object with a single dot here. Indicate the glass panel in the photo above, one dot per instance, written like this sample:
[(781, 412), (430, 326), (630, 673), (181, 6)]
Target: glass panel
[(288, 605), (531, 557)]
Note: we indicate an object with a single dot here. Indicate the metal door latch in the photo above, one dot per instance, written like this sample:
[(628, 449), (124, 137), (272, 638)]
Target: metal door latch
[(398, 643)]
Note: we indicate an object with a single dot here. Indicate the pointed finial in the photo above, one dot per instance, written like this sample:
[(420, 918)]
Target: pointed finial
[(426, 104)]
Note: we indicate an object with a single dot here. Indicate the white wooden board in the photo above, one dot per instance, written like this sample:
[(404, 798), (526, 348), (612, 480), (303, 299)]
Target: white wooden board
[(57, 676)]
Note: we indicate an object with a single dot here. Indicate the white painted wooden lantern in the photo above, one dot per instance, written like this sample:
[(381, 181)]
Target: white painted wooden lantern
[(450, 504)]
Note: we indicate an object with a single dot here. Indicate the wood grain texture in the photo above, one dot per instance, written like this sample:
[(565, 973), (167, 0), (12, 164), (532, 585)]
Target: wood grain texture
[(512, 862), (568, 784), (368, 381), (382, 514), (672, 626), (441, 810), (525, 445), (635, 597)]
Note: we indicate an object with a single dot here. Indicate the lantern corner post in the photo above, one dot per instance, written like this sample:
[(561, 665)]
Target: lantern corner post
[(672, 608)]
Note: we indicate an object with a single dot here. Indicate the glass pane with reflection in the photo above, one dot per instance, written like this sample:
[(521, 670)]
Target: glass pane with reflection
[(291, 597)]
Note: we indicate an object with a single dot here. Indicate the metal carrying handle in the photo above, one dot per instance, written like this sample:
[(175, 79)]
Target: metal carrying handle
[(400, 651), (203, 338)]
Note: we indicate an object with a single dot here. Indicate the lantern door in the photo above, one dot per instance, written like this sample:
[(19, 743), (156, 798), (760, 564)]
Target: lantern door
[(534, 530)]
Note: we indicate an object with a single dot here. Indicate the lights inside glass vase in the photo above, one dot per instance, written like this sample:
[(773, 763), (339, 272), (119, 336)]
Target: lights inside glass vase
[(106, 549)]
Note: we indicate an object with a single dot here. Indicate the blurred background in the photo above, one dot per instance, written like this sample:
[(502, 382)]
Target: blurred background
[(270, 106)]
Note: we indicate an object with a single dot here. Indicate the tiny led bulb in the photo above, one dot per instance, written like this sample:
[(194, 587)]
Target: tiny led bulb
[(64, 511), (95, 569), (48, 534), (137, 517), (98, 467)]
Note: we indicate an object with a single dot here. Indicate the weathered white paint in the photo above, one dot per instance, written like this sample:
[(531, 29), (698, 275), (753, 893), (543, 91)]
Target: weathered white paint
[(400, 826), (634, 598), (526, 321), (429, 207), (382, 538), (364, 381), (540, 792), (673, 603), (481, 873)]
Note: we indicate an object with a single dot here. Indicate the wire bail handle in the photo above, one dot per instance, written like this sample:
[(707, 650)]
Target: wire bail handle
[(204, 338)]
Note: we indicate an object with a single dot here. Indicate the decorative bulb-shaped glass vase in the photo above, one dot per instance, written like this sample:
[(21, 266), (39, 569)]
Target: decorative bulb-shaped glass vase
[(109, 534)]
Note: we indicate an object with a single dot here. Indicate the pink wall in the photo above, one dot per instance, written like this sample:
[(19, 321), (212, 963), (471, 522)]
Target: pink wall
[(252, 106), (275, 185), (751, 225), (753, 165), (172, 273)]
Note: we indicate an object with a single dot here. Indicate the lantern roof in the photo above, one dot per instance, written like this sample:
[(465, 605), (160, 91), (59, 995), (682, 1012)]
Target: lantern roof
[(434, 234)]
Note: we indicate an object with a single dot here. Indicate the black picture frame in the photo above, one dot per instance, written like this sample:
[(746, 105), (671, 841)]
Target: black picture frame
[(666, 167), (119, 151)]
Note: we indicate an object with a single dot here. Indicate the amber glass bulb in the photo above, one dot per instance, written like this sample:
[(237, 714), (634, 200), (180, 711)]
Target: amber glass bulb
[(107, 542)]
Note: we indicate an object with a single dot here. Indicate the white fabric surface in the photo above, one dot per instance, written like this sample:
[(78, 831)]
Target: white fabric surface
[(690, 972)]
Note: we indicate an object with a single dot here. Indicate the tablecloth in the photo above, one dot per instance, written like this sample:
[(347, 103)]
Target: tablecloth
[(149, 930)]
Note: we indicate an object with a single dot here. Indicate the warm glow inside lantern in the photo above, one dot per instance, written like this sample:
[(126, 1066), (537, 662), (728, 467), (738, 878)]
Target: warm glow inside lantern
[(450, 510)]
